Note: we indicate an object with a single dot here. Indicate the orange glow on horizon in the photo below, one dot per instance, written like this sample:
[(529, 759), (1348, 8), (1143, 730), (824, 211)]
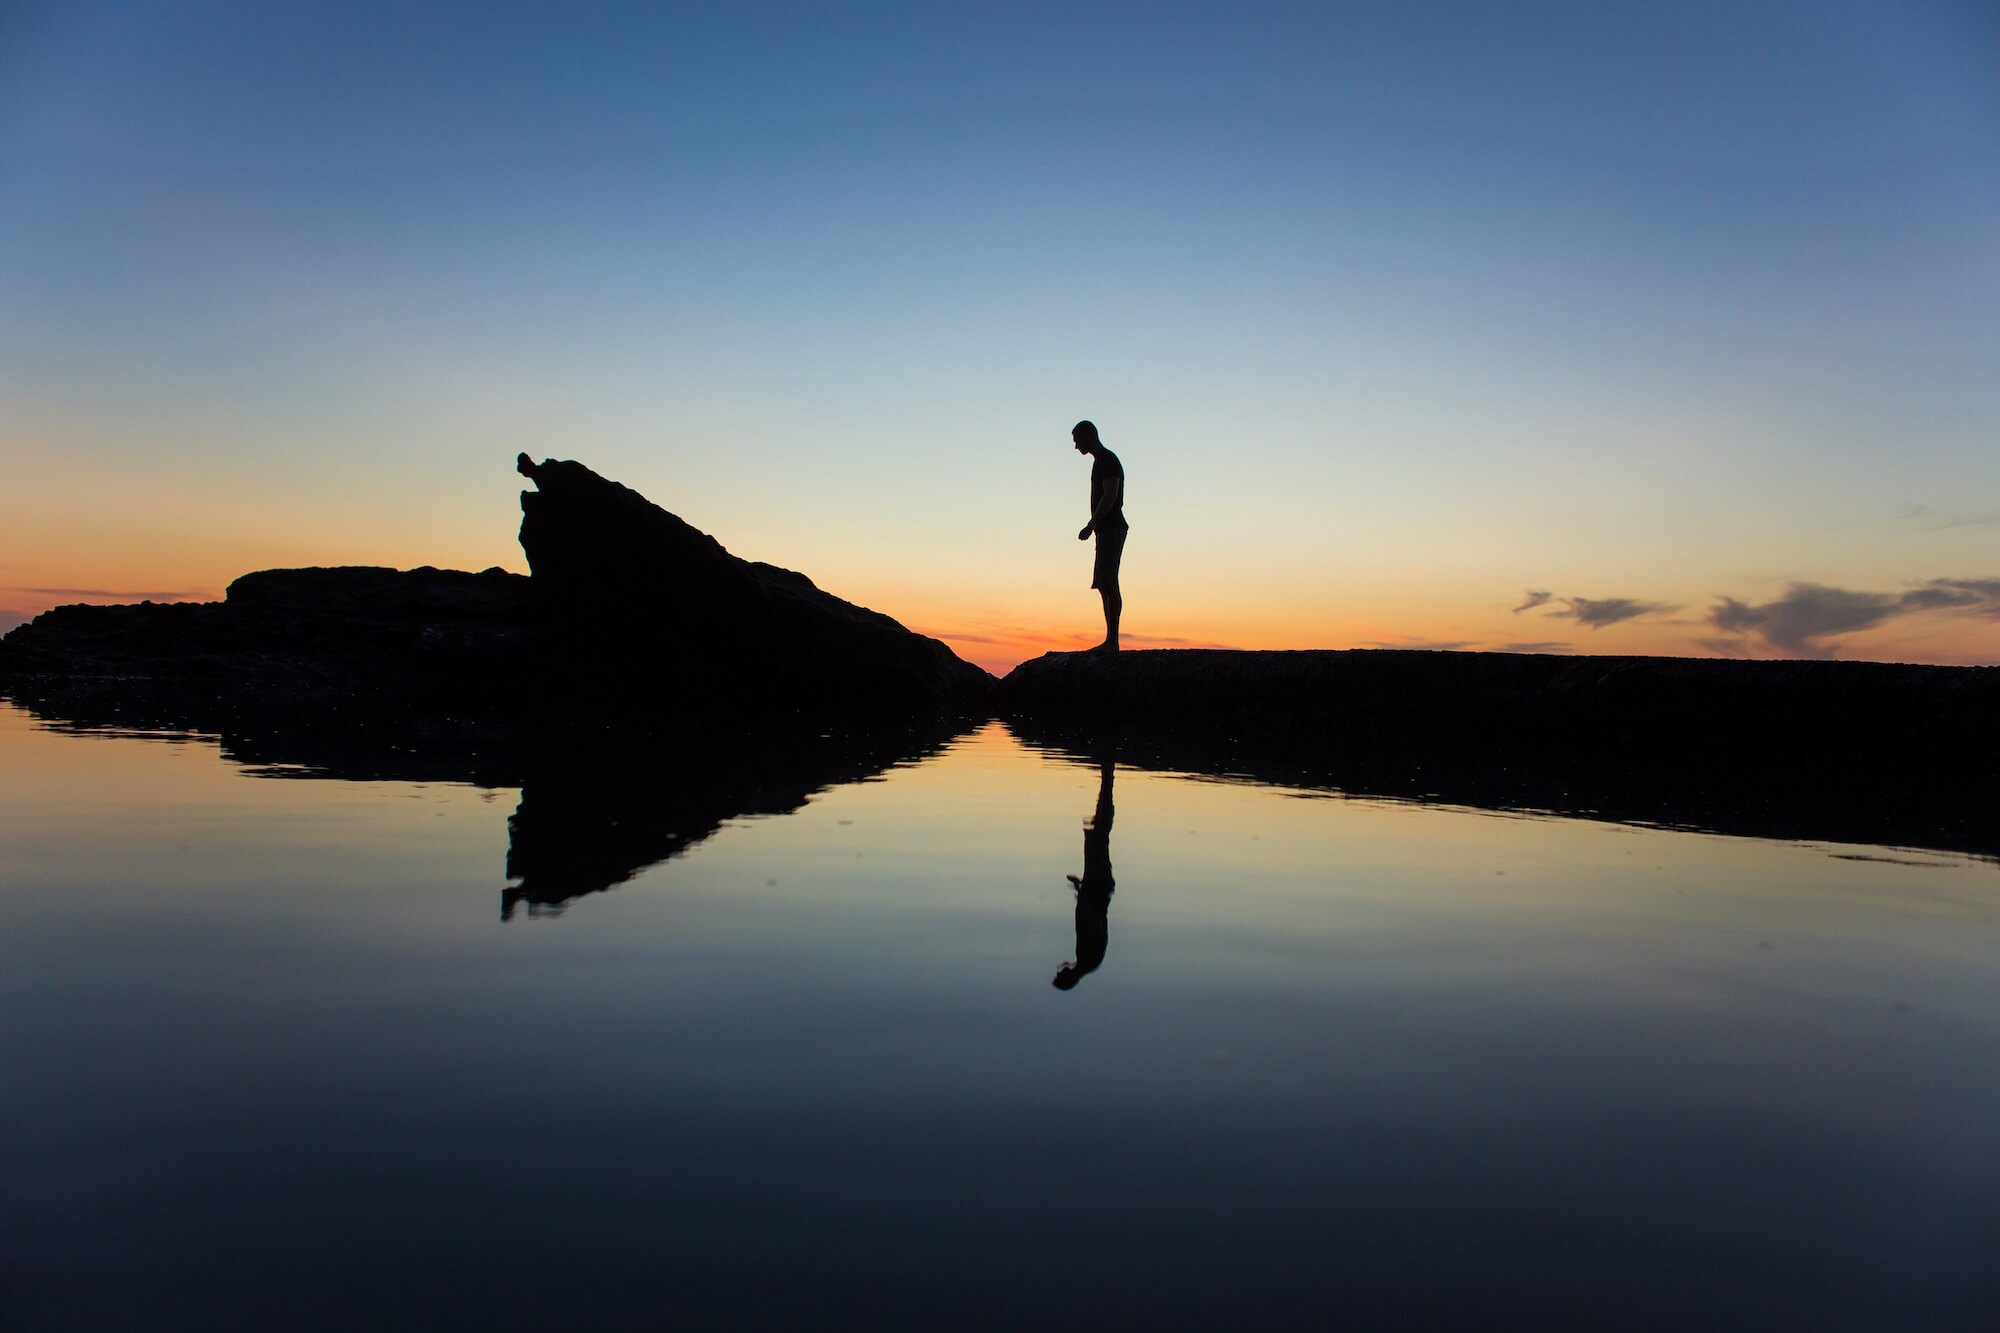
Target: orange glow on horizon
[(994, 630)]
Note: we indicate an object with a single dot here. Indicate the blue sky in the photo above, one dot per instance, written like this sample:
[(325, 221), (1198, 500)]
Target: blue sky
[(1392, 311)]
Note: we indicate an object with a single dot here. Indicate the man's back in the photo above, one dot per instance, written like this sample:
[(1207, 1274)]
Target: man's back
[(1105, 468)]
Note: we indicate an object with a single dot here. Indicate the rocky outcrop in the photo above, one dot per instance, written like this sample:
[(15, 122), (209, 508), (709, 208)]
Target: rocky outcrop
[(659, 605), (297, 633), (627, 611), (1723, 704), (1834, 751)]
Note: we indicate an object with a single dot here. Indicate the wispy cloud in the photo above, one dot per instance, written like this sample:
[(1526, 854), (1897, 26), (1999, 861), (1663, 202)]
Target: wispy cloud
[(1167, 641), (107, 593), (1930, 519), (1803, 621), (1593, 612), (1986, 590), (13, 620), (1543, 646), (1596, 612), (1423, 645)]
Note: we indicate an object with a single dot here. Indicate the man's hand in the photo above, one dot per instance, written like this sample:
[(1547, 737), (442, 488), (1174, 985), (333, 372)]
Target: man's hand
[(1084, 536)]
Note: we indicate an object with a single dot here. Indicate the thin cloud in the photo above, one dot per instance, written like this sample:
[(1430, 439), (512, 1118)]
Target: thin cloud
[(1940, 520), (1425, 645), (1808, 616), (1596, 612), (1545, 646), (108, 592), (11, 620), (1986, 593), (1533, 598)]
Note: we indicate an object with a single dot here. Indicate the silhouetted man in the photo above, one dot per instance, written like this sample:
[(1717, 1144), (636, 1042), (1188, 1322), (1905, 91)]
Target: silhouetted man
[(1093, 889), (1107, 520)]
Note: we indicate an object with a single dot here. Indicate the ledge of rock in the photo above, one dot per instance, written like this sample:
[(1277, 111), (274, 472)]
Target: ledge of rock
[(1835, 751), (1722, 702)]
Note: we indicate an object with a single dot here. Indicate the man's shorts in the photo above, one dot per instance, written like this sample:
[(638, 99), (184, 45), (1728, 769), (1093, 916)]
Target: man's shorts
[(1110, 546)]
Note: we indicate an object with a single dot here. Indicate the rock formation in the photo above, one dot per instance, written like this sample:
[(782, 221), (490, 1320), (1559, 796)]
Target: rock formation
[(636, 630), (659, 605), (1836, 751), (628, 610)]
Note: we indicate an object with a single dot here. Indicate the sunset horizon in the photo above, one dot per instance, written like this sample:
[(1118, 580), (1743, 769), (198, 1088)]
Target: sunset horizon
[(907, 665), (1941, 621), (1628, 331)]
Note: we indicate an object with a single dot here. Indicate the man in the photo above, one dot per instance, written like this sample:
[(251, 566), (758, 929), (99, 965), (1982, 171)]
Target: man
[(1094, 886), (1107, 520)]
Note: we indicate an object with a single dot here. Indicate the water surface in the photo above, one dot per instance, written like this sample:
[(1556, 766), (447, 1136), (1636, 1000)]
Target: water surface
[(285, 1050)]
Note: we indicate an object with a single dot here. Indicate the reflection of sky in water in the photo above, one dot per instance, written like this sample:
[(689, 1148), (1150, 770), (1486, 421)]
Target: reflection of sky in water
[(270, 1048)]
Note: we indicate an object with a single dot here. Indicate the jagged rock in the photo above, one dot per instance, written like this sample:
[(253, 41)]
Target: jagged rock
[(662, 605), (628, 610)]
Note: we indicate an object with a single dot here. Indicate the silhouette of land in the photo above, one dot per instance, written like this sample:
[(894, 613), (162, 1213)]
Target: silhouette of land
[(1820, 751), (637, 628), (627, 611)]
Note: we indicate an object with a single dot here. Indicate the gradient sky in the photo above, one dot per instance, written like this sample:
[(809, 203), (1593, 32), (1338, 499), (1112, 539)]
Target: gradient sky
[(1675, 325)]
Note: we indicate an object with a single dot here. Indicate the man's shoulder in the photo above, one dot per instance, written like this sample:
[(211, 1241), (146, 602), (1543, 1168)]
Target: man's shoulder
[(1106, 464)]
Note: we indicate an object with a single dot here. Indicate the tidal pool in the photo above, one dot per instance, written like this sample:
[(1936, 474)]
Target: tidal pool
[(291, 1051)]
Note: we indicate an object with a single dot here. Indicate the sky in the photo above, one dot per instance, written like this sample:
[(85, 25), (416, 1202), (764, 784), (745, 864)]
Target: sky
[(1585, 327)]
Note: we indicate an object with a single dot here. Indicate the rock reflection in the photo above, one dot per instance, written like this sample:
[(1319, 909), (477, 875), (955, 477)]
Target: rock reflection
[(599, 801), (591, 819), (1093, 888), (1775, 796)]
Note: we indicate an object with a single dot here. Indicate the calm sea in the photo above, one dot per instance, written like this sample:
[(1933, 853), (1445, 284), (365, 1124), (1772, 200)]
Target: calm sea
[(285, 1051)]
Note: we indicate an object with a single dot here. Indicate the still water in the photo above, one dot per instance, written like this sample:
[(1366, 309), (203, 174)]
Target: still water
[(282, 1051)]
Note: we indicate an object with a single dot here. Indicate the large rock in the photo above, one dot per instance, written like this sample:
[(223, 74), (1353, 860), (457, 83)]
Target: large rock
[(660, 606), (299, 634), (1836, 751), (628, 610), (1944, 714)]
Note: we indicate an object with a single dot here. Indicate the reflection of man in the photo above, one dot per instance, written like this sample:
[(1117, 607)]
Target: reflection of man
[(1107, 520), (1093, 891)]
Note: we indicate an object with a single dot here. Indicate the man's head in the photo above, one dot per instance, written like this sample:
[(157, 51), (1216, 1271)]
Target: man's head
[(1084, 435)]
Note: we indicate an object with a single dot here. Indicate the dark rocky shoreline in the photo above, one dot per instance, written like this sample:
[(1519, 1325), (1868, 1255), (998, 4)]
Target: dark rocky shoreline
[(628, 613), (1723, 710), (1804, 751), (1808, 750), (637, 636)]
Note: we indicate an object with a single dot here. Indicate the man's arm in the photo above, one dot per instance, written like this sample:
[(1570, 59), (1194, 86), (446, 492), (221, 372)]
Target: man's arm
[(1114, 492)]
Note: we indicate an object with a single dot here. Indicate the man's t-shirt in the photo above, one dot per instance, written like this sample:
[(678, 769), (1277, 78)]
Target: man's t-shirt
[(1103, 468)]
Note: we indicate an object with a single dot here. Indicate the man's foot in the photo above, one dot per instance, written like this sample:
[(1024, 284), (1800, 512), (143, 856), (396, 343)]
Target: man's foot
[(1108, 646)]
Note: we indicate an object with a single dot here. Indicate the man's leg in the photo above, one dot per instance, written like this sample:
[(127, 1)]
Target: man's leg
[(1104, 578), (1114, 605)]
